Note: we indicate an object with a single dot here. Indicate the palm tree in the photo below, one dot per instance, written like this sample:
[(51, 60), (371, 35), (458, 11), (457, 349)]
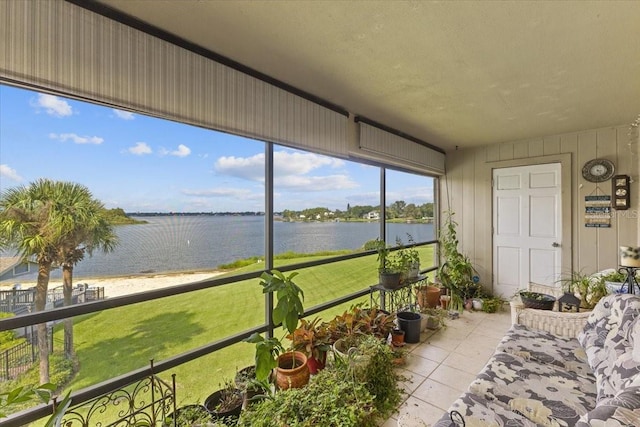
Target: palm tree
[(84, 228), (44, 220)]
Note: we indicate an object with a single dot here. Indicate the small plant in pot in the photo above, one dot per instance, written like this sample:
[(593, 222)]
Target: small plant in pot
[(589, 288), (194, 414), (246, 381), (291, 366), (225, 403), (312, 338), (408, 258), (389, 267)]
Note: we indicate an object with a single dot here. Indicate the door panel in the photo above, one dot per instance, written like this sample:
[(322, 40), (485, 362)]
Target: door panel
[(527, 227)]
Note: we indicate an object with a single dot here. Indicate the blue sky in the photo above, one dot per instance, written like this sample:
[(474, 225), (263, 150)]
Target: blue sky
[(144, 164)]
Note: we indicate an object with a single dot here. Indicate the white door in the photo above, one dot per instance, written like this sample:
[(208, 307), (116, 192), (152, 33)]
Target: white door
[(527, 227)]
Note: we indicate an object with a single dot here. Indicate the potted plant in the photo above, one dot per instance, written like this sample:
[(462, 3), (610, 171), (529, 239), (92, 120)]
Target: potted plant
[(456, 272), (291, 366), (312, 338), (491, 304), (434, 318), (389, 267), (428, 296), (409, 257), (193, 414), (537, 300), (589, 288), (246, 381), (614, 281), (225, 403), (397, 337)]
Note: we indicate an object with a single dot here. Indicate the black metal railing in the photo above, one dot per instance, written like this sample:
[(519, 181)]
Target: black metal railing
[(106, 387)]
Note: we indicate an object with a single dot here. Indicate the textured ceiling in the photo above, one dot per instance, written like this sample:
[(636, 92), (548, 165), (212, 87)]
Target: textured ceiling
[(452, 73)]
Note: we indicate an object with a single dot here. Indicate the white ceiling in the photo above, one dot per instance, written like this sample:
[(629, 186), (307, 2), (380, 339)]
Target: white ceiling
[(452, 73)]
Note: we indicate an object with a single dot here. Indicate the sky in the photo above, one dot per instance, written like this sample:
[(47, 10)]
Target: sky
[(145, 164)]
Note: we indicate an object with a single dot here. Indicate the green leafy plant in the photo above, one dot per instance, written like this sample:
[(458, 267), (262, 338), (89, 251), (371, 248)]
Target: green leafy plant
[(491, 305), (439, 315), (590, 288), (333, 397), (378, 374), (311, 337), (614, 276), (288, 308), (456, 272), (188, 415), (43, 392), (408, 255)]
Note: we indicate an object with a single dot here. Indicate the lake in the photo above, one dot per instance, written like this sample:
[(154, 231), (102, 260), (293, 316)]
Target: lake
[(178, 243)]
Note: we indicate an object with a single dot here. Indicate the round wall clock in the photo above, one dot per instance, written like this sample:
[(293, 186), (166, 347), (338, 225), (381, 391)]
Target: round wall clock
[(598, 170)]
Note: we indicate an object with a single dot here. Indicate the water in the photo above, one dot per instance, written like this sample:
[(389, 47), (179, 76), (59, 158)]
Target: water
[(178, 243)]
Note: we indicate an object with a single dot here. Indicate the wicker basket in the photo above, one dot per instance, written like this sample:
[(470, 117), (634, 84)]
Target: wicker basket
[(539, 302)]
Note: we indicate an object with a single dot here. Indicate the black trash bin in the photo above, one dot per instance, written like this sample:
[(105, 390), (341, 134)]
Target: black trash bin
[(410, 323)]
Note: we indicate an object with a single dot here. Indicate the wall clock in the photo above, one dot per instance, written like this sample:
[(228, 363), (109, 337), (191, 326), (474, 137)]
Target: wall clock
[(598, 170)]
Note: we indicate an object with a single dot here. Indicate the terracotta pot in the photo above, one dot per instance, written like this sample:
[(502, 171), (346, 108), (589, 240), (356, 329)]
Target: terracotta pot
[(444, 301), (288, 376), (397, 337), (428, 296)]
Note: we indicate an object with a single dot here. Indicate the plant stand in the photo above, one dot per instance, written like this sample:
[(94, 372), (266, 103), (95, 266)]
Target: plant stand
[(631, 281), (393, 299)]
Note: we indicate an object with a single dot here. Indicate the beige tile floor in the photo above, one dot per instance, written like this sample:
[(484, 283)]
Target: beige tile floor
[(443, 364)]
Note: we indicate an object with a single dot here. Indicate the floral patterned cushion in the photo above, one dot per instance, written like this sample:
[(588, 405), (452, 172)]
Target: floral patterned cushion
[(477, 411), (609, 342), (622, 363), (544, 393), (622, 410), (607, 326), (544, 347)]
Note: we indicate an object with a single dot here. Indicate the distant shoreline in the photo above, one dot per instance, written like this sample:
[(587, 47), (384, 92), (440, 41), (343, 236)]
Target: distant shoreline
[(131, 283)]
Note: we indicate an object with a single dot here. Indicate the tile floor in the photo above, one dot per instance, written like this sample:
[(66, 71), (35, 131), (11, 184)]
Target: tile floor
[(443, 364)]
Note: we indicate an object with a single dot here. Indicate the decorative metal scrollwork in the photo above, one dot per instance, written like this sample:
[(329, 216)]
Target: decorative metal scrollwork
[(146, 402)]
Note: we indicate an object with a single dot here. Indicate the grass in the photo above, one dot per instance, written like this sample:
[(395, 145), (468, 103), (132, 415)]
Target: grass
[(117, 341)]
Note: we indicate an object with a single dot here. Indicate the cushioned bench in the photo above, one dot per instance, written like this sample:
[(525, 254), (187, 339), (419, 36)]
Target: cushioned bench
[(589, 377)]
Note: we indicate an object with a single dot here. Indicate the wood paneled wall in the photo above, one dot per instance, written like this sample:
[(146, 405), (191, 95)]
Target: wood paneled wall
[(466, 190)]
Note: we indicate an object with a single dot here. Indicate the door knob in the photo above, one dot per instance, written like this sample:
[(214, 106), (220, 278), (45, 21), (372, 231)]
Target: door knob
[(555, 244)]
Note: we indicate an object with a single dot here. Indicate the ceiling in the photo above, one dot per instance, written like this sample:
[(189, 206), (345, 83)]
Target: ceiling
[(451, 73)]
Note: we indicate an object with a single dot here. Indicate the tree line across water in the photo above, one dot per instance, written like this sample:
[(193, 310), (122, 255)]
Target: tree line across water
[(396, 210)]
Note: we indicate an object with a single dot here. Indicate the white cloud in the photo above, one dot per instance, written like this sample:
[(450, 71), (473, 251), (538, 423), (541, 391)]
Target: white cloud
[(286, 164), (53, 105), (9, 173), (251, 168), (124, 115), (182, 151), (140, 149), (77, 138)]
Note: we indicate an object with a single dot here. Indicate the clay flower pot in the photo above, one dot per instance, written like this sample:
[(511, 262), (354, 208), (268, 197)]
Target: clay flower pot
[(292, 370)]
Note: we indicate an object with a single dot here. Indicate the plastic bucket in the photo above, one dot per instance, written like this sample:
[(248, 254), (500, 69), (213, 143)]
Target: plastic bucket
[(410, 323)]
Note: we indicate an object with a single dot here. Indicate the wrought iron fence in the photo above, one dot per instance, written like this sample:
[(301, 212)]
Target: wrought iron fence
[(21, 357), (145, 402)]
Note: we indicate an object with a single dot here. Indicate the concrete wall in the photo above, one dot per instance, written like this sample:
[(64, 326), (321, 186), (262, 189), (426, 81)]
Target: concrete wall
[(466, 190)]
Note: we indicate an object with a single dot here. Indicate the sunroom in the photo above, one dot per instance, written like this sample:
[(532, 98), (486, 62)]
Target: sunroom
[(472, 103)]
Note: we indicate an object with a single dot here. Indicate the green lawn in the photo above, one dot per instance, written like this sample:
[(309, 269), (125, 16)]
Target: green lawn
[(117, 341)]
